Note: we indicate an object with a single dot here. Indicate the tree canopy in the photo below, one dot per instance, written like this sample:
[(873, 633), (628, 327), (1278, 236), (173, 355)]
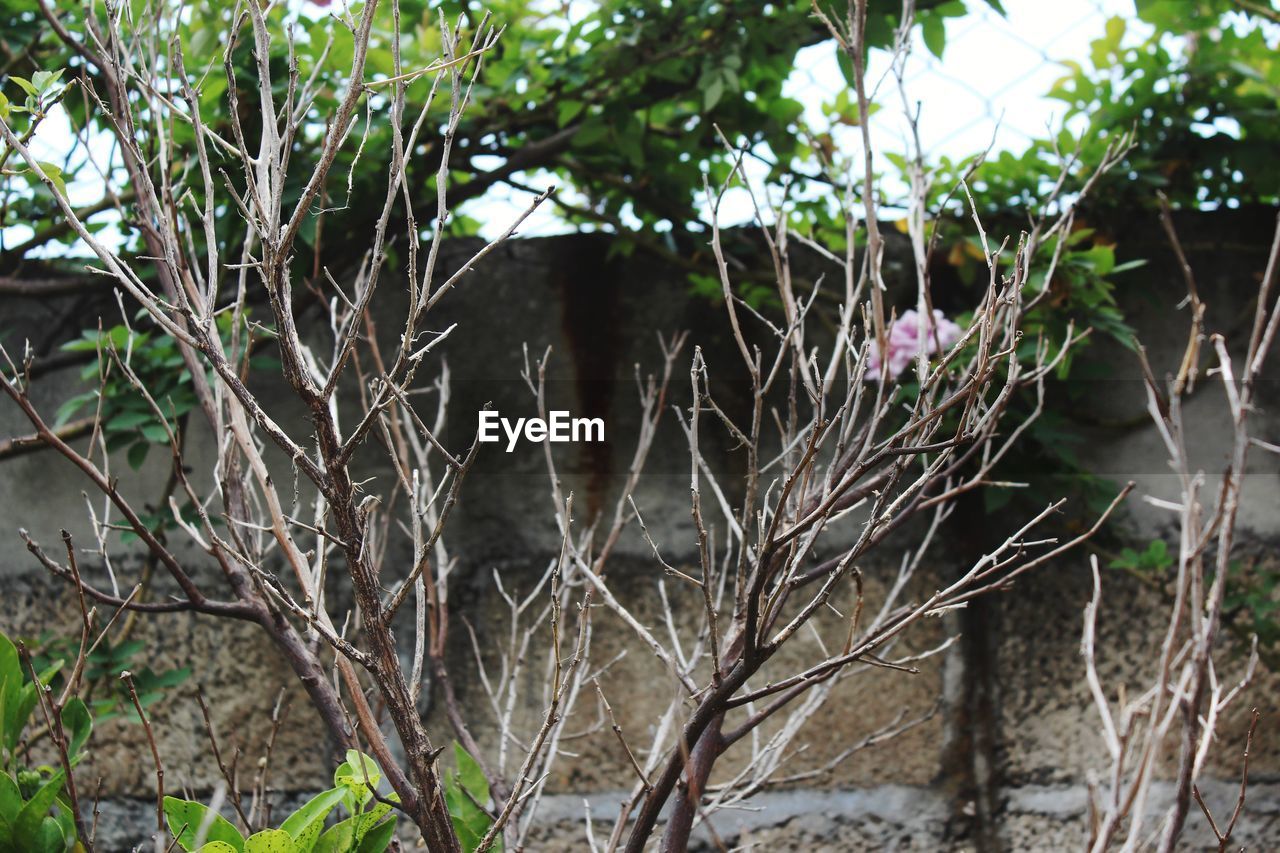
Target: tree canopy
[(623, 104)]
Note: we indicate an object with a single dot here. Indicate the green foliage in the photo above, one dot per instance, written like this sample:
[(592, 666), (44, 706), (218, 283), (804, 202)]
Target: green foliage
[(37, 96), (129, 422), (466, 793), (35, 812), (368, 828), (1252, 606), (621, 104), (1203, 89), (1199, 83), (1073, 281), (106, 695), (1251, 601), (1155, 559), (190, 822)]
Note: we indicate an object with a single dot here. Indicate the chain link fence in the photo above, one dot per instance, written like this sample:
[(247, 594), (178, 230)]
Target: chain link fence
[(988, 88), (989, 83)]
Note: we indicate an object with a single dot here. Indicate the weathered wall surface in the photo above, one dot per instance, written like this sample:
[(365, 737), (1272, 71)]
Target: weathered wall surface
[(1004, 762)]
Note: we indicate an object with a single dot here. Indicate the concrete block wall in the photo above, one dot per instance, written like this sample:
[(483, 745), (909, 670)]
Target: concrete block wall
[(1004, 762)]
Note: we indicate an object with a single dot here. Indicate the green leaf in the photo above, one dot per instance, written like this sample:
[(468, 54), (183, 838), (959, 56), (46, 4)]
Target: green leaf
[(33, 812), (77, 724), (1128, 265), (712, 93), (378, 838), (43, 81), (66, 825), (995, 499), (69, 408), (54, 173), (375, 814), (462, 792), (1115, 30), (138, 454), (170, 677), (592, 132), (218, 847), (48, 837), (185, 818), (934, 31), (10, 799), (468, 821), (17, 696), (127, 649), (155, 433), (1101, 259), (26, 86), (120, 337), (359, 774), (129, 420), (567, 111), (351, 835), (338, 838), (305, 824), (10, 667), (269, 841), (470, 774), (10, 689)]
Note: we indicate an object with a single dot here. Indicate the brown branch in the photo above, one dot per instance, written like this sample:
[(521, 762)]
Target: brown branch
[(62, 228), (127, 678), (1244, 781), (108, 488), (47, 288), (23, 444), (231, 609), (233, 788), (52, 710), (1259, 9)]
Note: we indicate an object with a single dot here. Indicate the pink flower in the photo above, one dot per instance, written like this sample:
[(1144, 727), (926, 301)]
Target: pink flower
[(904, 341)]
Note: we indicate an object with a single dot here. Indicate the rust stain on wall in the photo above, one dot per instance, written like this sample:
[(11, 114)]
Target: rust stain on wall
[(590, 288)]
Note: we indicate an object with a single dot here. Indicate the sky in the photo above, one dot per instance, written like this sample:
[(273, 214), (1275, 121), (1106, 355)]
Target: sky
[(988, 85)]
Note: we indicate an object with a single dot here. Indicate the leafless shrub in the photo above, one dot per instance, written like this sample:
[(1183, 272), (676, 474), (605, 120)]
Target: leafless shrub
[(830, 447), (1187, 699)]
